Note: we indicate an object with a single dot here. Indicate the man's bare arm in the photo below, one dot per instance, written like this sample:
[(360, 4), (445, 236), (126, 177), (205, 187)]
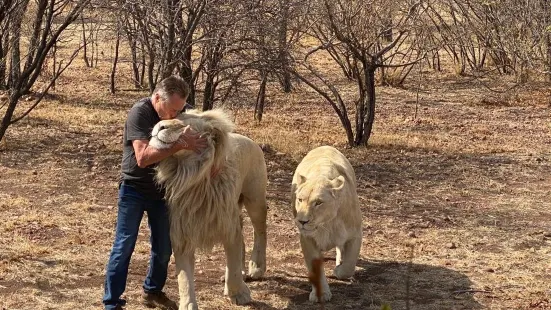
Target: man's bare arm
[(147, 155)]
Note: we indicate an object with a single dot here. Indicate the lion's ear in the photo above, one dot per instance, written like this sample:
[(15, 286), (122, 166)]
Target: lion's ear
[(337, 183), (216, 136)]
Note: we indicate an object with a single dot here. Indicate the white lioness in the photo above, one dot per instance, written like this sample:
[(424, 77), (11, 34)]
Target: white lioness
[(205, 209), (327, 212)]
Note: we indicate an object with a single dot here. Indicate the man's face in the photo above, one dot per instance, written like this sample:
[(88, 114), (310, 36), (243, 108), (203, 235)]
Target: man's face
[(169, 109)]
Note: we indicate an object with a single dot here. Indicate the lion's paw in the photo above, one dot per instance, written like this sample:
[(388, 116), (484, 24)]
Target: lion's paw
[(326, 296), (188, 306), (241, 298)]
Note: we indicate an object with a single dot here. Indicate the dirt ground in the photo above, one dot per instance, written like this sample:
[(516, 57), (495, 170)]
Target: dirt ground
[(456, 202)]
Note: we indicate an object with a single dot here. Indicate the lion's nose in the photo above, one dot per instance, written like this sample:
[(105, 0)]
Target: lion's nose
[(304, 222)]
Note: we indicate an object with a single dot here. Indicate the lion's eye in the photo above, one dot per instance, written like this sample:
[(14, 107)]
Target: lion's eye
[(318, 202), (299, 200)]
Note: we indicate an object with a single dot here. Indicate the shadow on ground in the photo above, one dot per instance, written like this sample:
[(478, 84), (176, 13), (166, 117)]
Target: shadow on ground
[(377, 283)]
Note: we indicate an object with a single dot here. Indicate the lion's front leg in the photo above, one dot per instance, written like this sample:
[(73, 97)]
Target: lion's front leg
[(235, 287), (311, 251), (185, 267), (347, 257)]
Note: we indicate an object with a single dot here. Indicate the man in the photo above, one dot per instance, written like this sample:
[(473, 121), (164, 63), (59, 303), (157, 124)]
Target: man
[(138, 193)]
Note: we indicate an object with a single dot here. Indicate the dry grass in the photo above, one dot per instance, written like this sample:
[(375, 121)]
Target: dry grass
[(466, 184)]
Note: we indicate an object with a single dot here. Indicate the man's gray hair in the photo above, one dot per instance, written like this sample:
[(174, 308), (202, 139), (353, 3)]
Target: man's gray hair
[(172, 85)]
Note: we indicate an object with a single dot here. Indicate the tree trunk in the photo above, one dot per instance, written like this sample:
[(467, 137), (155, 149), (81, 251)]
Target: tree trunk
[(142, 76), (15, 70), (129, 23), (261, 98), (283, 48), (54, 64), (115, 60), (187, 74), (15, 63), (37, 27), (545, 8), (171, 15), (436, 61), (135, 67), (360, 112), (14, 97), (96, 48), (368, 118), (387, 31), (210, 89), (92, 46), (151, 71), (84, 43), (3, 56)]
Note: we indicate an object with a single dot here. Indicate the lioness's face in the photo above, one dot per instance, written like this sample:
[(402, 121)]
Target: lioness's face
[(316, 202), (165, 133)]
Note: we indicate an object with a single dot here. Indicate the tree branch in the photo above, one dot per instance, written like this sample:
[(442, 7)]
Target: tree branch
[(52, 82)]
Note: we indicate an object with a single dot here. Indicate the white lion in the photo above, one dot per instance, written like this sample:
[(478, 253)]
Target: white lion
[(327, 212), (205, 210)]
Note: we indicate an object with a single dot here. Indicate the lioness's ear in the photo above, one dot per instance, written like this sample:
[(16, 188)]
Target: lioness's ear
[(337, 183), (301, 179)]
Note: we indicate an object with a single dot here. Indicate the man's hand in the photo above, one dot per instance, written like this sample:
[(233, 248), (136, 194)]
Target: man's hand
[(191, 140)]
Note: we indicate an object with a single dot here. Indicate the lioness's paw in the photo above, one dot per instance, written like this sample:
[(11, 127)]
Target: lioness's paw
[(326, 296), (188, 306), (342, 272), (255, 272)]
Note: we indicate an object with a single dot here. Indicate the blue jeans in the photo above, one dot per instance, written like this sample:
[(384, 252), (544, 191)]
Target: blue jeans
[(131, 207)]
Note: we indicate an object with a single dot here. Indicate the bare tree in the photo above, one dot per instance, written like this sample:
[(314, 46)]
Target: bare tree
[(51, 18), (228, 48), (360, 29), (164, 33), (277, 27), (129, 27), (483, 37)]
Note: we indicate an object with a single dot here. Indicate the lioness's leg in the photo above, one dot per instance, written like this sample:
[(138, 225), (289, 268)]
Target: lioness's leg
[(186, 289), (311, 252), (257, 212), (235, 287), (349, 257), (338, 257)]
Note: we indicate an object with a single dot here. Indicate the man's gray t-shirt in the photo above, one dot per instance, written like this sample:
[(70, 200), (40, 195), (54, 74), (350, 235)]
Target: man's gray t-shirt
[(141, 119)]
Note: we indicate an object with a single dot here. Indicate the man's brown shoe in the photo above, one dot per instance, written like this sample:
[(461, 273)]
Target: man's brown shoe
[(159, 301)]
